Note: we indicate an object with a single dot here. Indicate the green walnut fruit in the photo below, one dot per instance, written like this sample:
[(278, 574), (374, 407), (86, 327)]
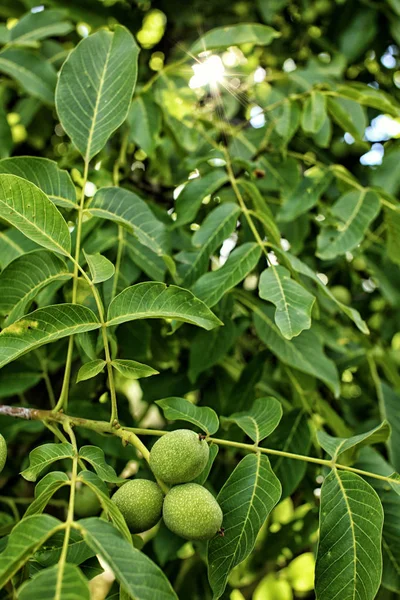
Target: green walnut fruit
[(179, 456), (140, 502), (3, 452), (192, 512), (87, 503)]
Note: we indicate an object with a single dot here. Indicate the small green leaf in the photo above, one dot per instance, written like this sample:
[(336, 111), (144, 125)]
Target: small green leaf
[(43, 456), (38, 26), (100, 267), (156, 301), (212, 286), (234, 35), (293, 302), (389, 407), (101, 69), (26, 537), (137, 574), (216, 227), (246, 500), (34, 74), (28, 209), (306, 194), (210, 347), (349, 559), (293, 435), (314, 112), (179, 409), (145, 123), (48, 584), (305, 352), (125, 207), (202, 478), (95, 457), (263, 212), (304, 269), (46, 175), (13, 244), (189, 200), (43, 326), (392, 220), (112, 511), (47, 490), (148, 261), (260, 421), (131, 369), (335, 446), (90, 369), (354, 212), (23, 279)]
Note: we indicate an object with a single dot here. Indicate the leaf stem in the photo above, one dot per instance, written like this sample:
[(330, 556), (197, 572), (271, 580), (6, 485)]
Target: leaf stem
[(130, 435), (63, 399), (70, 515)]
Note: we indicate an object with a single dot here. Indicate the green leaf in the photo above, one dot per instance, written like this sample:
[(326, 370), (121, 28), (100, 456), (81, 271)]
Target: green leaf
[(28, 209), (26, 537), (13, 244), (389, 407), (38, 26), (137, 574), (112, 511), (46, 585), (6, 141), (95, 457), (209, 347), (77, 553), (335, 446), (293, 302), (157, 301), (234, 35), (348, 115), (216, 227), (260, 421), (370, 460), (22, 280), (212, 286), (392, 221), (131, 369), (46, 175), (354, 212), (306, 194), (288, 121), (305, 352), (34, 74), (43, 326), (304, 269), (246, 500), (47, 492), (202, 478), (148, 261), (314, 112), (368, 96), (263, 212), (95, 87), (90, 369), (48, 480), (100, 267), (145, 123), (17, 379), (43, 456), (189, 200), (293, 435), (125, 207), (349, 559), (179, 409)]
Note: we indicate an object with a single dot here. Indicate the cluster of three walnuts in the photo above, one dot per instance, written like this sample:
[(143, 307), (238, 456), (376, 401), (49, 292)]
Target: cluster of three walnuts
[(188, 509)]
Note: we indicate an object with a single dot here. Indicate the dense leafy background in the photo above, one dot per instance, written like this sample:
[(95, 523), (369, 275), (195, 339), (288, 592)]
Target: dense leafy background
[(272, 197)]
